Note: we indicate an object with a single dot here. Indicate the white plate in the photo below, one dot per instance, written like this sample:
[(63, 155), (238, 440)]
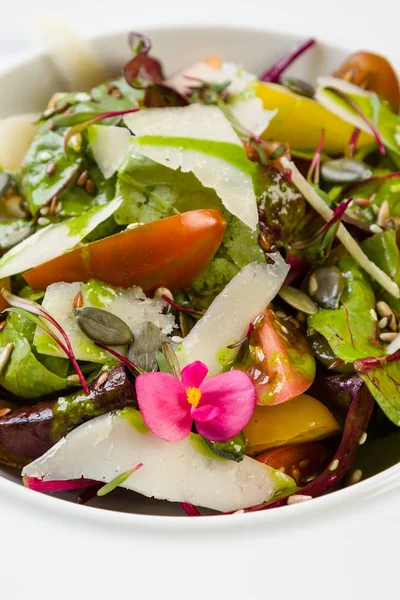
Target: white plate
[(343, 545)]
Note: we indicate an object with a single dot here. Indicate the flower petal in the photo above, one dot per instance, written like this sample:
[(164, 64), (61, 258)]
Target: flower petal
[(234, 394), (194, 374), (162, 402), (205, 413)]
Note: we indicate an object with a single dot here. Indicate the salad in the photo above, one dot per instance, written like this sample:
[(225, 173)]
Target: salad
[(200, 282)]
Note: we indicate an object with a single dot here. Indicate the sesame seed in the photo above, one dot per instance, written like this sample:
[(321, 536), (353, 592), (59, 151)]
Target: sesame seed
[(388, 337), (383, 322), (373, 314), (297, 498), (51, 167), (280, 314), (284, 329), (43, 221), (362, 439), (3, 324), (177, 339), (334, 465), (102, 379), (44, 210), (4, 411), (90, 187), (355, 477), (375, 228)]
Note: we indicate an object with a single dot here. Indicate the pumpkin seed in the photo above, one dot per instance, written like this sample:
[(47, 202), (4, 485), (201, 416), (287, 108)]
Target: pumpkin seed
[(171, 359), (325, 286), (14, 235), (5, 355), (143, 350), (298, 300), (345, 170), (186, 323), (5, 183), (102, 326), (298, 86)]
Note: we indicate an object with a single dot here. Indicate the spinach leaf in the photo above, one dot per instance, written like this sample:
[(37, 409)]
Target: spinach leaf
[(152, 191), (350, 330), (383, 250), (384, 384), (25, 376)]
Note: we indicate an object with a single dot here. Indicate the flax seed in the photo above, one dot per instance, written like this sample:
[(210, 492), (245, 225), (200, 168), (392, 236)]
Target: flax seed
[(90, 187), (388, 337), (78, 300), (102, 379), (51, 167), (82, 178)]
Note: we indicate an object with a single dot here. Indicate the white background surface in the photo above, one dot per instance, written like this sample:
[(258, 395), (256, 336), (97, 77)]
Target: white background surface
[(373, 24), (348, 554)]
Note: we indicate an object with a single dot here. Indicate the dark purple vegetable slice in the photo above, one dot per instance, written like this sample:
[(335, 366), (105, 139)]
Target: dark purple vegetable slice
[(32, 430)]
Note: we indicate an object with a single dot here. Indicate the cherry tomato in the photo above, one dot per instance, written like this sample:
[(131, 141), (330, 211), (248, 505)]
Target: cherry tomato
[(282, 365), (303, 419), (300, 461), (372, 72), (170, 252)]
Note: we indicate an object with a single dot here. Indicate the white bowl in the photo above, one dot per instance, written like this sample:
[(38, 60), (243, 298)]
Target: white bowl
[(317, 549)]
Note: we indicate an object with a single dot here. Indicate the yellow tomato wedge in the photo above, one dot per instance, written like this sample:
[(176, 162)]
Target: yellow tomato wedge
[(302, 419), (299, 121)]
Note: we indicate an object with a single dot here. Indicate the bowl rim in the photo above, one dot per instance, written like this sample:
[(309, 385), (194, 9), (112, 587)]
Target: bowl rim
[(361, 493)]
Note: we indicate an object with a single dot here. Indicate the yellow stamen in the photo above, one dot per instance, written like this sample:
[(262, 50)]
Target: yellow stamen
[(193, 396)]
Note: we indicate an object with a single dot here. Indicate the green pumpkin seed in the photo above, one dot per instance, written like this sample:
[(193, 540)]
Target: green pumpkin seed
[(300, 87), (325, 286), (14, 235), (298, 300), (186, 323), (143, 350), (171, 359), (345, 170), (5, 355), (5, 183), (102, 326)]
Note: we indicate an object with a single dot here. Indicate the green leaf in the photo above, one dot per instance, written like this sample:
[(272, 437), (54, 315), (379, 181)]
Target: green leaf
[(384, 384), (350, 328), (25, 376), (152, 191), (382, 249)]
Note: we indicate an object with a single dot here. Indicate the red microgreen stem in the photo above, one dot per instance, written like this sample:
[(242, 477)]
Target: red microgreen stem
[(180, 308), (37, 309), (316, 161), (363, 365), (33, 483), (131, 365), (334, 221), (360, 113), (273, 73), (353, 142), (376, 178), (189, 509)]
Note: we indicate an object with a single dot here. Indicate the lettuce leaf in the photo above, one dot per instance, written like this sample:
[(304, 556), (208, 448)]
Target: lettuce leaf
[(152, 191), (25, 376)]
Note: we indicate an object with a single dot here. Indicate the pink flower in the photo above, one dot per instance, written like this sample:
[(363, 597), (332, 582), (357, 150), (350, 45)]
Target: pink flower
[(221, 406)]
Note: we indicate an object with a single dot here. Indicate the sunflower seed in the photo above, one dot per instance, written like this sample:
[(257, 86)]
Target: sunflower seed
[(383, 214), (388, 337), (373, 314), (5, 355), (102, 379), (383, 309), (163, 291), (143, 350), (102, 326), (375, 228), (345, 170), (298, 300)]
